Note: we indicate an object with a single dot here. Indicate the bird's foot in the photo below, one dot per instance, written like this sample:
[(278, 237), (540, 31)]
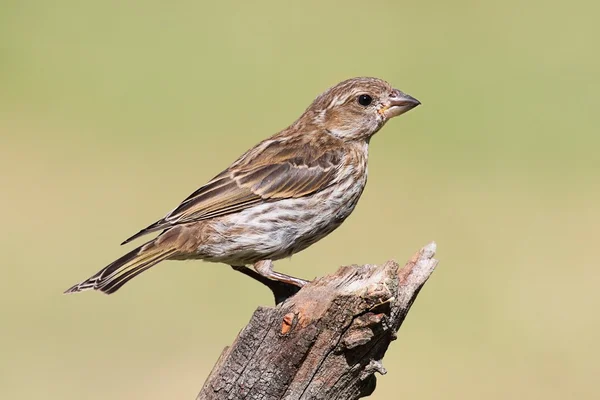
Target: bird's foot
[(283, 286), (265, 268)]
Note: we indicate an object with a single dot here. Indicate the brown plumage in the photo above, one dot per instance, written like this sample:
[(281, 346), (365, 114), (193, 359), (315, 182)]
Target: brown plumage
[(280, 197)]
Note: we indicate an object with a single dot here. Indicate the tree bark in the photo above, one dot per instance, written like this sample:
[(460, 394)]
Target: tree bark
[(325, 342)]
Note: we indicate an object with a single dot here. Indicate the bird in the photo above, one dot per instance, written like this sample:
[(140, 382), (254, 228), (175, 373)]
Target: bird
[(281, 196)]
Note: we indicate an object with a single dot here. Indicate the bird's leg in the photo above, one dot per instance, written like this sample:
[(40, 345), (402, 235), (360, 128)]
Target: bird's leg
[(265, 268), (281, 290)]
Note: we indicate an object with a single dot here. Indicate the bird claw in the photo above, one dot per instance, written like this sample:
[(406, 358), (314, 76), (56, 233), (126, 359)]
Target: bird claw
[(282, 290)]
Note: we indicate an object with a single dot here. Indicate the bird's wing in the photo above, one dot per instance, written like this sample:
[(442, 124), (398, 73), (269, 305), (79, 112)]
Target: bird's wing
[(275, 169)]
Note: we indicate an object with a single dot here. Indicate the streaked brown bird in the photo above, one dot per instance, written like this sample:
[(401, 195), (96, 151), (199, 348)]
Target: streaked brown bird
[(278, 198)]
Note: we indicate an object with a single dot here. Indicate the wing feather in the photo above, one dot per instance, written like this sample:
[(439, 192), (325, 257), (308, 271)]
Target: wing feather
[(275, 169)]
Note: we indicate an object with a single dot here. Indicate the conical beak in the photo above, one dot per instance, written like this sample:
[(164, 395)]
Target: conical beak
[(398, 103)]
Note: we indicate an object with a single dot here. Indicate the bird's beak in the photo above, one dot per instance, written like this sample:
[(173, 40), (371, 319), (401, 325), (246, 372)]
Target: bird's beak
[(398, 103)]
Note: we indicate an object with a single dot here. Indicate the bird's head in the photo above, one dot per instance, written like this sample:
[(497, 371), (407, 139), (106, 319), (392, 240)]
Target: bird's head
[(357, 108)]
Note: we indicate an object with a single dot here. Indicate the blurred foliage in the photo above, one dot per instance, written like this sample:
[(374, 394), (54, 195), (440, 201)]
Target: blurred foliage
[(113, 111)]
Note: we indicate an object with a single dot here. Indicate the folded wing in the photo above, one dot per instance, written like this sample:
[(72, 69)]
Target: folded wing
[(275, 169)]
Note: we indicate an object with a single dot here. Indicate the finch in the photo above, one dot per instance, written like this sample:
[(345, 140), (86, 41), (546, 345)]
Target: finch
[(286, 193)]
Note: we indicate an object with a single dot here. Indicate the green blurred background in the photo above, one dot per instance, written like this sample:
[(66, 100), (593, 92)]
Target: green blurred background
[(111, 112)]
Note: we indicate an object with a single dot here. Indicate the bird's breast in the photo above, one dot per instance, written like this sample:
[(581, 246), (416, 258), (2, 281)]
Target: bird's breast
[(280, 228)]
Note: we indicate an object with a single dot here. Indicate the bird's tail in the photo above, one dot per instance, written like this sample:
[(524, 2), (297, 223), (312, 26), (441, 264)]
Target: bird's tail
[(119, 272)]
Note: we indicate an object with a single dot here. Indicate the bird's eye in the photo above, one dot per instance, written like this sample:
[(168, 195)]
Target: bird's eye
[(364, 100)]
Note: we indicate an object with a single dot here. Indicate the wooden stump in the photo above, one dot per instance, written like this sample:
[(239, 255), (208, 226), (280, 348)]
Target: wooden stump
[(327, 341)]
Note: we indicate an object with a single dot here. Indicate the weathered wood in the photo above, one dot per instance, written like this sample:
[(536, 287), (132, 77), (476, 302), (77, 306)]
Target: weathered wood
[(327, 341)]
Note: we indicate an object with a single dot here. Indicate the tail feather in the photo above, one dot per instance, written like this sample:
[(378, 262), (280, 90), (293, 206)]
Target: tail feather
[(157, 226), (119, 272)]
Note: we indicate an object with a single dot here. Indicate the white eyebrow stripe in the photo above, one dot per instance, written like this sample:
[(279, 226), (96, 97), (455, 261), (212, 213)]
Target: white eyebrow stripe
[(336, 101), (339, 100)]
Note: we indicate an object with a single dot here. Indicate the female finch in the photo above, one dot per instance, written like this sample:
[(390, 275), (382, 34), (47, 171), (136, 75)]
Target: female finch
[(278, 198)]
